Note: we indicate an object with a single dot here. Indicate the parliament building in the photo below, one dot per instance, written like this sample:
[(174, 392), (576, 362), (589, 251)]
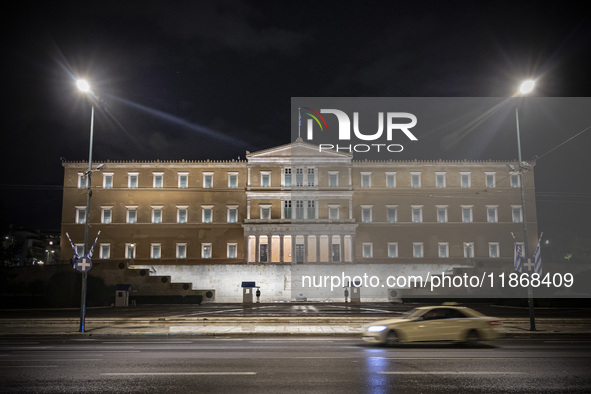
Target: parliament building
[(216, 224)]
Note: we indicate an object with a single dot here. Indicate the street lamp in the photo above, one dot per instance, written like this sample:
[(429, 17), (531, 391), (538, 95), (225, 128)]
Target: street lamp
[(85, 87), (526, 88)]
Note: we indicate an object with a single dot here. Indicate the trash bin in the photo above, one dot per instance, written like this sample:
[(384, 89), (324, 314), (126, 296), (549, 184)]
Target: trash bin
[(122, 295)]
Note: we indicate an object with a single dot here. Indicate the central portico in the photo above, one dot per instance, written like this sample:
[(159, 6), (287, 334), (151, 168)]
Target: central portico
[(299, 221)]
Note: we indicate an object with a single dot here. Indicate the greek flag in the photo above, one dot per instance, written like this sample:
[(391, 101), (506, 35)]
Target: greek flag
[(91, 251), (517, 255), (538, 258), (518, 258)]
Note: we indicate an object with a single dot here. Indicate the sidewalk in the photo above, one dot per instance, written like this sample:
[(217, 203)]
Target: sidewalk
[(236, 326)]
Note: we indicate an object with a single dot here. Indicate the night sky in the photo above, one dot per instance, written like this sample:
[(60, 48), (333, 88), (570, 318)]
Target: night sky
[(198, 80)]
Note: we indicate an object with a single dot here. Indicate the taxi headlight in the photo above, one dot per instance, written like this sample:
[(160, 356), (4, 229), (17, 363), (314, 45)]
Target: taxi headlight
[(376, 328)]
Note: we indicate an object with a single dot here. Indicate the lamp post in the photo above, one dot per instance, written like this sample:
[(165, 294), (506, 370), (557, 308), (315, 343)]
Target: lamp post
[(525, 88), (85, 87)]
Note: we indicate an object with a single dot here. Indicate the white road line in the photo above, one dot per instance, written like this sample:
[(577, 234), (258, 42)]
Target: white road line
[(208, 312), (451, 373), (85, 351), (176, 373), (28, 366), (21, 360), (151, 342)]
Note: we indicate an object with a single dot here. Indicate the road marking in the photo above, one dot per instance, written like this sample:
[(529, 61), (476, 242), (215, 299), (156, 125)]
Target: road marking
[(93, 352), (176, 373), (28, 366), (151, 342), (209, 312), (21, 360), (451, 373)]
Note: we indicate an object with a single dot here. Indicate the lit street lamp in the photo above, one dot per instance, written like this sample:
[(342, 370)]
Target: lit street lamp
[(526, 88), (85, 87)]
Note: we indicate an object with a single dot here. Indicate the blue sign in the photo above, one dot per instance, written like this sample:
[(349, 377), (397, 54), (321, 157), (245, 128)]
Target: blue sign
[(83, 264)]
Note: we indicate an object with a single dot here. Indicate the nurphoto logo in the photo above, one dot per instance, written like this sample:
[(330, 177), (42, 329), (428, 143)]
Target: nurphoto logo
[(390, 125)]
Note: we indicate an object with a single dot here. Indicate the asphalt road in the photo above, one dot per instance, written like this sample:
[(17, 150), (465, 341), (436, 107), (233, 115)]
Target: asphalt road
[(282, 310), (281, 364)]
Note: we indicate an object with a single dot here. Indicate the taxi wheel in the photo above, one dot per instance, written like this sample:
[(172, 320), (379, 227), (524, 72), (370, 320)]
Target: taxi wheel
[(392, 339), (472, 338)]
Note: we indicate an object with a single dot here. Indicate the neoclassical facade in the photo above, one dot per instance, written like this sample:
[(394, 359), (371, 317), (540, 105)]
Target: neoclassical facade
[(292, 204)]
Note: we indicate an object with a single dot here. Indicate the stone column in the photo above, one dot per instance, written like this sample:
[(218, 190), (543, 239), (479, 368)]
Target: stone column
[(257, 254), (269, 249)]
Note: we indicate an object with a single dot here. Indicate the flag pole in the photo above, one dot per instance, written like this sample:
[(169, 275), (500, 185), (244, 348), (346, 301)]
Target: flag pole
[(299, 122)]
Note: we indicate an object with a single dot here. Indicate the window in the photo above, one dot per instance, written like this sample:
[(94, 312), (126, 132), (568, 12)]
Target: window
[(80, 215), (467, 213), (287, 209), (232, 180), (333, 212), (207, 214), (156, 214), (299, 209), (366, 213), (517, 213), (158, 180), (107, 180), (232, 251), (465, 180), (417, 250), (391, 215), (106, 215), (443, 249), (490, 179), (415, 179), (181, 214), (311, 177), (515, 181), (441, 213), (468, 250), (392, 250), (311, 209), (207, 180), (82, 179), (287, 177), (299, 177), (79, 249), (265, 213), (155, 251), (390, 179), (367, 250), (366, 179), (333, 179), (265, 179), (232, 214), (183, 180), (105, 251), (492, 215), (440, 179), (131, 215), (132, 180), (130, 251), (493, 250), (417, 213), (205, 251), (181, 251)]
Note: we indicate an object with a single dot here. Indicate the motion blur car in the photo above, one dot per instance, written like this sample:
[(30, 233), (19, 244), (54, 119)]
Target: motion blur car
[(434, 323)]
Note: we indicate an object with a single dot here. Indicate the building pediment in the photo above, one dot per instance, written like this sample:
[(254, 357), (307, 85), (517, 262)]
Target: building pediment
[(296, 151)]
